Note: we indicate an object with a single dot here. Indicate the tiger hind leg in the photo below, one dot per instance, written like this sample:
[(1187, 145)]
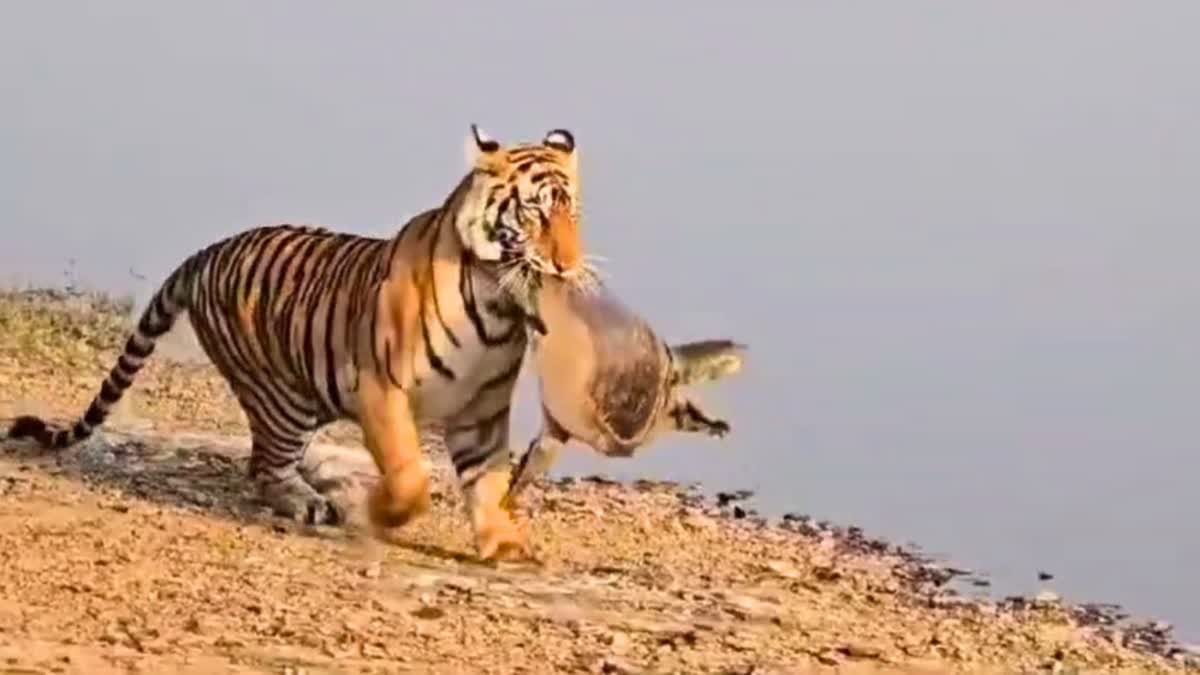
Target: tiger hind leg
[(275, 469)]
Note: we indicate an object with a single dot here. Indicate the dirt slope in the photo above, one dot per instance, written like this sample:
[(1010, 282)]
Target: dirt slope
[(144, 549)]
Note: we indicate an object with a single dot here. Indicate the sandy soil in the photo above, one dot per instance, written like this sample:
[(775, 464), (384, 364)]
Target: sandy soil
[(145, 550)]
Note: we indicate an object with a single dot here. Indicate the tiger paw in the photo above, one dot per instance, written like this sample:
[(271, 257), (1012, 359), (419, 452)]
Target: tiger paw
[(296, 500), (497, 534), (400, 497), (503, 540)]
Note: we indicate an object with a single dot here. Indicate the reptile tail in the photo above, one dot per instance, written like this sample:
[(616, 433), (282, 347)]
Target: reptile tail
[(159, 316), (706, 360)]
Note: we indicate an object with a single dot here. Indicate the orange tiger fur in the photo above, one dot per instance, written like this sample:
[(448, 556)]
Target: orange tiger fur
[(421, 330)]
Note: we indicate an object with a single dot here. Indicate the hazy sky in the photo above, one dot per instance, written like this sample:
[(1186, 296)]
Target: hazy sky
[(960, 238)]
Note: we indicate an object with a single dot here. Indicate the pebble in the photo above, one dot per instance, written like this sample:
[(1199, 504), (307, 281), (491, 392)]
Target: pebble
[(783, 569), (616, 666), (699, 522), (429, 612), (618, 643), (858, 650), (1046, 598)]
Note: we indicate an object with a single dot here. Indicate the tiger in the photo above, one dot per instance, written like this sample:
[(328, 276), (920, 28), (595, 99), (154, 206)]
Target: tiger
[(415, 338)]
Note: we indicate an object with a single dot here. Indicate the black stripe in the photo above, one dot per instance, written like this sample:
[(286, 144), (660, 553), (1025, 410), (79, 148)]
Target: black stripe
[(466, 289), (94, 416), (486, 421), (132, 347), (409, 227), (301, 285), (267, 409), (232, 270), (269, 288), (433, 291), (80, 431), (109, 393), (310, 304), (128, 367), (331, 383), (238, 369), (387, 356), (147, 326), (119, 378), (247, 284), (342, 268), (470, 457), (505, 377), (435, 361), (426, 226), (374, 335), (491, 198), (534, 153), (430, 355)]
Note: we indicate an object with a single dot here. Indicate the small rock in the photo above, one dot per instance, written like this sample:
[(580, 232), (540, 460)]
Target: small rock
[(946, 600), (1046, 598), (699, 522), (197, 625), (618, 643), (827, 657), (616, 666), (1044, 576), (226, 641), (857, 650), (429, 612), (783, 569), (724, 498), (371, 571), (826, 573)]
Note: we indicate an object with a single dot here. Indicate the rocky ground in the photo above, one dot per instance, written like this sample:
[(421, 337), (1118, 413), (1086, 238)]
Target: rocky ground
[(145, 549)]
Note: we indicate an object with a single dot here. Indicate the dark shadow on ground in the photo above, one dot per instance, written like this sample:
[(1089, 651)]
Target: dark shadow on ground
[(208, 474)]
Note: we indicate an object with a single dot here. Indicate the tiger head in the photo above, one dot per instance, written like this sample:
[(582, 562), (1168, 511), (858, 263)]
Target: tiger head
[(522, 209)]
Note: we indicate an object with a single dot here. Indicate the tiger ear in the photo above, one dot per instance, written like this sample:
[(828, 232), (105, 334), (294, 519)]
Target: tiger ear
[(480, 146), (560, 139)]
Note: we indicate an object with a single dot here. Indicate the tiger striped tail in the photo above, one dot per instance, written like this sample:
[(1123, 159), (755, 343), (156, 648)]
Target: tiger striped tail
[(169, 301)]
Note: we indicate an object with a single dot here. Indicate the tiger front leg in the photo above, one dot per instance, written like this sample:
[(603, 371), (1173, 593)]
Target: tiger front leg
[(390, 434), (541, 455), (478, 448)]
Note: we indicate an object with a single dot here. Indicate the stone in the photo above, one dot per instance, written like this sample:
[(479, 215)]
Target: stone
[(1046, 598)]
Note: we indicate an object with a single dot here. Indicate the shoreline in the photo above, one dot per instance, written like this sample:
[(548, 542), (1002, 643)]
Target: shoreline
[(937, 579), (686, 578)]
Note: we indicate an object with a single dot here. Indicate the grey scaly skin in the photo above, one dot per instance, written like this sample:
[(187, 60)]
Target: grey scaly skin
[(608, 380)]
